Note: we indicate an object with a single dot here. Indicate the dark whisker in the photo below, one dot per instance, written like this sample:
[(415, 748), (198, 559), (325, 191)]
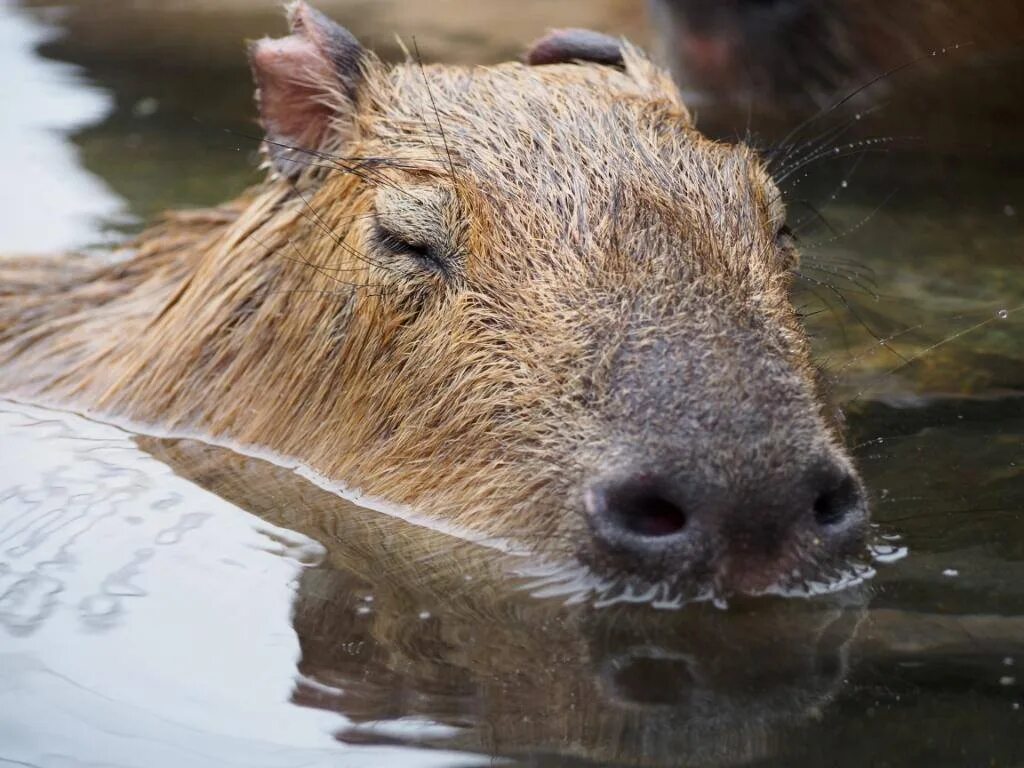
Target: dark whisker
[(1002, 315), (305, 262), (851, 149), (859, 225), (787, 140), (364, 168), (338, 241), (848, 272), (828, 136), (843, 184), (849, 308), (815, 213), (433, 104), (863, 287)]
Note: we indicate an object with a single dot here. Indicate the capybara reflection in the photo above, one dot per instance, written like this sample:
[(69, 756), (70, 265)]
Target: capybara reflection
[(447, 634), (529, 299)]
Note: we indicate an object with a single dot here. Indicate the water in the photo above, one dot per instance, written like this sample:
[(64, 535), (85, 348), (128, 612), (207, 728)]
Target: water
[(168, 602), (165, 602), (116, 650), (45, 100)]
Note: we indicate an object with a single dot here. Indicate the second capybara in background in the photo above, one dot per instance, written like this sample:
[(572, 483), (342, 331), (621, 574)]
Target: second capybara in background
[(813, 50)]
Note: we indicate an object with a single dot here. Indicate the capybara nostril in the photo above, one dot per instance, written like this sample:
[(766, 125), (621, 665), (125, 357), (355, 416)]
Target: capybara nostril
[(750, 535), (838, 501), (635, 508)]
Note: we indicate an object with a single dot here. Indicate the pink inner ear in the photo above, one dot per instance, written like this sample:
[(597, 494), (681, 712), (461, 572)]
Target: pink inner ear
[(292, 78)]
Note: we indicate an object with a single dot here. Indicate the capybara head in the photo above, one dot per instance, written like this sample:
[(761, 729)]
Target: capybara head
[(530, 299), (562, 314)]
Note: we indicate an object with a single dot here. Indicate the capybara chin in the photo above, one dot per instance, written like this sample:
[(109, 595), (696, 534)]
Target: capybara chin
[(530, 299)]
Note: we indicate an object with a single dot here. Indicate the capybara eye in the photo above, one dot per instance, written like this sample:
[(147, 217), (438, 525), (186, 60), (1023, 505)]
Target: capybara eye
[(414, 230), (424, 254)]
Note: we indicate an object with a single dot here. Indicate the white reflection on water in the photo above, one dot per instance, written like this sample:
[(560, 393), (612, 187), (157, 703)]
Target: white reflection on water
[(49, 201), (143, 620)]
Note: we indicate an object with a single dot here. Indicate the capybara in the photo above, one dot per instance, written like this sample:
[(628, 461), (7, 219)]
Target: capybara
[(779, 51), (530, 300)]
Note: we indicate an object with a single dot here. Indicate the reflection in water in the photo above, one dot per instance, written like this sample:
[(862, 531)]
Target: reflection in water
[(444, 634), (137, 593), (143, 621)]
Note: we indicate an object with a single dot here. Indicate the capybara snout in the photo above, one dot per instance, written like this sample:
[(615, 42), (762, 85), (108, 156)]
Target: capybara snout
[(715, 461), (660, 525), (740, 490), (529, 299)]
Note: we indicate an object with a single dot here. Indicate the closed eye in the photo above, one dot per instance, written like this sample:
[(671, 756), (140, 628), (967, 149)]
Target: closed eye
[(424, 254)]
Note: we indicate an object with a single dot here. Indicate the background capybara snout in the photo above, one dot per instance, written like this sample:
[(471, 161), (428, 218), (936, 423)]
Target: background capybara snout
[(784, 53)]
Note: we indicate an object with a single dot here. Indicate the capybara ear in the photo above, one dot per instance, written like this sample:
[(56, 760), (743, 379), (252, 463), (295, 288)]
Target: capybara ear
[(561, 46), (304, 82)]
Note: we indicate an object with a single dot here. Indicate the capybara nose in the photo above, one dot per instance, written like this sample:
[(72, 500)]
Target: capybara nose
[(636, 513), (647, 514)]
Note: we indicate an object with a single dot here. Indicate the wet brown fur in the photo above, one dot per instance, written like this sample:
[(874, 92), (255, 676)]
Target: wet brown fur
[(598, 252)]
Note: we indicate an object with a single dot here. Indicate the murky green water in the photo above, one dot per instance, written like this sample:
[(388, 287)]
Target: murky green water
[(167, 603)]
